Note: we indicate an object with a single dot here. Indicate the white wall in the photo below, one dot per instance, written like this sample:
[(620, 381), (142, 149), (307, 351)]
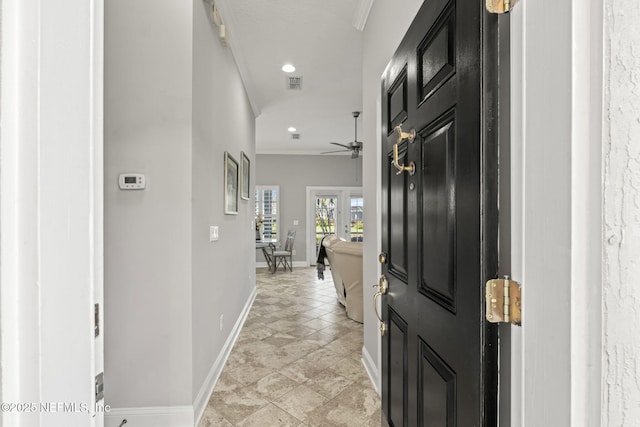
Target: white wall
[(387, 23), (294, 173), (621, 325), (223, 272)]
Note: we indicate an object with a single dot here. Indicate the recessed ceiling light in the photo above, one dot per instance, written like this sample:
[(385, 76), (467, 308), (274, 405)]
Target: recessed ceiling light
[(288, 68), (291, 129)]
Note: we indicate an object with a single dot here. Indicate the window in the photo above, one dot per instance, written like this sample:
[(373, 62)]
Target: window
[(267, 210), (356, 219)]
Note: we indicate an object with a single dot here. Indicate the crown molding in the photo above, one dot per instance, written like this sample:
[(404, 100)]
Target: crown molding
[(362, 14), (243, 69)]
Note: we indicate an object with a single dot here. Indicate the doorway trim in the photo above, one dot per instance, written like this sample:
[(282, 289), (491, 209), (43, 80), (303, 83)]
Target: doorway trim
[(51, 206), (557, 161)]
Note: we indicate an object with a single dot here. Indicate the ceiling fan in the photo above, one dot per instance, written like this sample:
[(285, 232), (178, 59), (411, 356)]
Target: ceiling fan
[(354, 146)]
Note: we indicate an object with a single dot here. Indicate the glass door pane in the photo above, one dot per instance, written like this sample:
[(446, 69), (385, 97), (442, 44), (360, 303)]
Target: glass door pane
[(326, 210), (356, 224)]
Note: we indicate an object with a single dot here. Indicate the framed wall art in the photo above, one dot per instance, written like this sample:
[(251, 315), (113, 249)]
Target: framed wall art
[(230, 185), (245, 173)]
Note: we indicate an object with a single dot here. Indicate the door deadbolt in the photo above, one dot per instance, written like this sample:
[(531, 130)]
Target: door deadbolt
[(382, 258)]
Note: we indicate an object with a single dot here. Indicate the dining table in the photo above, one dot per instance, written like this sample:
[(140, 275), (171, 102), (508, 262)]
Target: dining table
[(267, 245)]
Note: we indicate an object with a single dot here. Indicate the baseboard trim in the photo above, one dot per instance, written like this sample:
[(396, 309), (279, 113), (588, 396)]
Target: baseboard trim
[(296, 264), (161, 416), (200, 403), (372, 370), (183, 416)]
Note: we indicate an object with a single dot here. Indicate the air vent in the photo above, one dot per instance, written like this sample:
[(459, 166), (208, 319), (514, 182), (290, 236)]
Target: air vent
[(294, 83), (295, 136)]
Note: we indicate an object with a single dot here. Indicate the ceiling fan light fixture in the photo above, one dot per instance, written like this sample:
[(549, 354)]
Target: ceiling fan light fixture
[(354, 146), (291, 129), (288, 68)]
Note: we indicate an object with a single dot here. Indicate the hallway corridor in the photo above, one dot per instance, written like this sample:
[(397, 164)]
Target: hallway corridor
[(296, 361)]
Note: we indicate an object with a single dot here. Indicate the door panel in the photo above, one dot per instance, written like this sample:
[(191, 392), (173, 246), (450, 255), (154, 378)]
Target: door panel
[(397, 225), (397, 101), (398, 364), (436, 54), (438, 358), (438, 208), (437, 389)]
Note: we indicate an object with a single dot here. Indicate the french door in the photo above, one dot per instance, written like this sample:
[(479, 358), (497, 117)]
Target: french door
[(333, 210)]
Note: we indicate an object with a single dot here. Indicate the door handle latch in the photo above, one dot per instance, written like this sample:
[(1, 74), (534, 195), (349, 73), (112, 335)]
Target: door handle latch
[(383, 288)]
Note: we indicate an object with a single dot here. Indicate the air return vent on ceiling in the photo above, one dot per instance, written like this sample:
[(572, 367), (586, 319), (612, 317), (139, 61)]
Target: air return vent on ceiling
[(295, 136), (294, 83)]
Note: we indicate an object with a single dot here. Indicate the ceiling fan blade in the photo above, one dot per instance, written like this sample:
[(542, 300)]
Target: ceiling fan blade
[(337, 151), (341, 145)]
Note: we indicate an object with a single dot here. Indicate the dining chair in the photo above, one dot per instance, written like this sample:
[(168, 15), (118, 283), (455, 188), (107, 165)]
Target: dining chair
[(284, 257)]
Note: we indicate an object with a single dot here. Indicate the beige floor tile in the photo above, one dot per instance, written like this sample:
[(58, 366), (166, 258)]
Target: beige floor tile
[(328, 383), (250, 373), (350, 368), (320, 338), (301, 370), (354, 406), (280, 339), (300, 401), (212, 418), (274, 386), (318, 324), (235, 406), (296, 361), (270, 415)]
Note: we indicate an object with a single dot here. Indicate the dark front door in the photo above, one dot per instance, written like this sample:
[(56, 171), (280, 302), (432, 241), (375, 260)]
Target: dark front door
[(439, 224)]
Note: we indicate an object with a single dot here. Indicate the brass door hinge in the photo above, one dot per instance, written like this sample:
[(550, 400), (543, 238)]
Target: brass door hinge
[(500, 6), (503, 301)]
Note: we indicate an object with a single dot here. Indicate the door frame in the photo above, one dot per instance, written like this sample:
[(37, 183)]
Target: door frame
[(311, 193), (51, 205), (571, 388)]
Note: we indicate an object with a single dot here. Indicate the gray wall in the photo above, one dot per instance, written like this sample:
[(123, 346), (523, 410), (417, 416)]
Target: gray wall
[(174, 103), (223, 272), (294, 174), (148, 50)]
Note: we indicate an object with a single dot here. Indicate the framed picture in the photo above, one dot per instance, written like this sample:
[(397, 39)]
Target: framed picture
[(230, 185), (245, 166)]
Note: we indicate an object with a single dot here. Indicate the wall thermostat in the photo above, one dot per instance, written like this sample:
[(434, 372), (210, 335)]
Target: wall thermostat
[(132, 181)]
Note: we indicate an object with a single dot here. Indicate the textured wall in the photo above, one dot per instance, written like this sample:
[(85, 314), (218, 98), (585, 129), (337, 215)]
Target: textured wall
[(621, 322)]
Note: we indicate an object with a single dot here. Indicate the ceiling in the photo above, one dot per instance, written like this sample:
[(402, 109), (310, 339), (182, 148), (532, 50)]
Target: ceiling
[(322, 40)]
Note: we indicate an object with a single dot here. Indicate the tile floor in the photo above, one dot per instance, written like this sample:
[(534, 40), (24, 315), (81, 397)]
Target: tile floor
[(296, 361)]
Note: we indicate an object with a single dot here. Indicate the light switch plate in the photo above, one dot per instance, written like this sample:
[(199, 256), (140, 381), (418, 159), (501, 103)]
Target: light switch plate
[(214, 234), (296, 222)]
